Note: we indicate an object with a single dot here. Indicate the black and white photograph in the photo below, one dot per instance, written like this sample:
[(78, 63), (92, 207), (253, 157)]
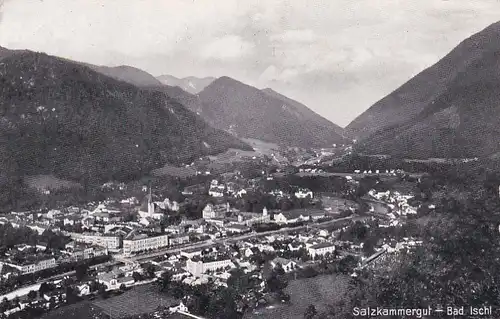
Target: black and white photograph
[(249, 159)]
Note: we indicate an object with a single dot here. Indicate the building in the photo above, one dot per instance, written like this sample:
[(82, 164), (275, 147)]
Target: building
[(236, 228), (286, 264), (141, 242), (178, 239), (30, 267), (321, 249), (197, 268), (212, 211), (151, 209), (250, 218), (98, 239), (84, 251), (113, 281), (304, 193), (216, 189), (192, 252), (298, 215)]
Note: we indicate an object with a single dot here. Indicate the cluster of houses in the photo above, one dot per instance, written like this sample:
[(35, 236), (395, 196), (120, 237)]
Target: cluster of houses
[(398, 205), (25, 259)]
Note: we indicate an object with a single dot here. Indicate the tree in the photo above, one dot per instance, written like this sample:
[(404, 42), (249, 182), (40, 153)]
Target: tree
[(32, 294), (81, 271), (123, 287), (165, 281), (137, 276), (454, 267), (102, 291), (310, 312)]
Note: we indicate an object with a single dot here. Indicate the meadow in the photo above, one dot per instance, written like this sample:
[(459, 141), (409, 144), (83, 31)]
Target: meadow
[(319, 291)]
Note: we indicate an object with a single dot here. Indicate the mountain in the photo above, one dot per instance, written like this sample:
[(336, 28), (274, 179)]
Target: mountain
[(265, 115), (189, 84), (4, 52), (128, 74), (306, 114), (62, 118), (451, 109)]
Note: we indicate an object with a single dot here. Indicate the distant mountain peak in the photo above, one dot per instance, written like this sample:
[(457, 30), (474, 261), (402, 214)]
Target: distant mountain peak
[(190, 84), (232, 105), (128, 74)]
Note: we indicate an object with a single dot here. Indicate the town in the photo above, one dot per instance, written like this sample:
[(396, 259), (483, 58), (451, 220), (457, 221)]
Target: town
[(274, 225)]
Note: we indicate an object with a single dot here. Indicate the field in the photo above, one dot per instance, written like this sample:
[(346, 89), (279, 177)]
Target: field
[(139, 300), (319, 291), (169, 170), (48, 182), (337, 204), (261, 147), (82, 310)]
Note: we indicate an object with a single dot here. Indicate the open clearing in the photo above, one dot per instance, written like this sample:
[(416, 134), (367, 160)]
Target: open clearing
[(170, 170), (319, 291), (138, 300), (81, 310), (47, 182)]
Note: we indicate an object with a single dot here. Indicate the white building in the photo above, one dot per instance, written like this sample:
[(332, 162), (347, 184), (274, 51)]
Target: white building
[(29, 268), (321, 249), (216, 189), (110, 242), (304, 193), (197, 268), (286, 264), (210, 211), (141, 242)]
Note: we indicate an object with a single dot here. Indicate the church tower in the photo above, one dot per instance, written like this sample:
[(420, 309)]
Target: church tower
[(151, 205)]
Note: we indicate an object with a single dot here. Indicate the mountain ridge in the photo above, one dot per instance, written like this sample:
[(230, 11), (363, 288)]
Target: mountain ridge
[(448, 110), (64, 118), (248, 112)]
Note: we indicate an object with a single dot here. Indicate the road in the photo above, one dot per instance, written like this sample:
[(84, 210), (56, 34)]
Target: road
[(208, 243)]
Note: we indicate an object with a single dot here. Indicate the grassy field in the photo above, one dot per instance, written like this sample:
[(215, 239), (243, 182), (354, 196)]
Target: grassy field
[(169, 170), (261, 147), (337, 204), (82, 310), (319, 291), (48, 182), (139, 300)]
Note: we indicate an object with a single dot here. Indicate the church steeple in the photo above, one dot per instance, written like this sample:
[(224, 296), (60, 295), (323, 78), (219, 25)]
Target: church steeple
[(151, 205)]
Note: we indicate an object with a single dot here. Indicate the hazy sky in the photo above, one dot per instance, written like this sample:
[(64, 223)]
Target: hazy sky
[(336, 56)]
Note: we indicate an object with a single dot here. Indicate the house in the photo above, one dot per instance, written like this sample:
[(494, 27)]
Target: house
[(236, 228), (304, 193), (215, 211), (298, 215), (286, 264), (179, 307), (83, 290), (294, 246), (321, 249), (192, 252), (216, 189), (197, 268), (241, 192), (113, 280), (287, 217)]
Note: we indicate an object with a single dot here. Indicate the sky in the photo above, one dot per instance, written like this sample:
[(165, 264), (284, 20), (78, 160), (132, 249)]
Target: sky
[(336, 56)]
